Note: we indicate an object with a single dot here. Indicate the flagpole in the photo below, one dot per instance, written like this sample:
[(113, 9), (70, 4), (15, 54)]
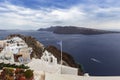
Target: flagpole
[(61, 57)]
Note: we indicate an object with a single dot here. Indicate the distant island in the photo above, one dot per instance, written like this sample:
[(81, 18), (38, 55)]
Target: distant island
[(2, 30), (75, 30)]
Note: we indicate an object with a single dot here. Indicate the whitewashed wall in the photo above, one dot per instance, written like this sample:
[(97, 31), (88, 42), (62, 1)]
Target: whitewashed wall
[(51, 68), (69, 70)]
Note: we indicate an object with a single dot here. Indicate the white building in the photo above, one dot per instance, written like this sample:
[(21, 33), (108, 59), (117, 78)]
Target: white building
[(48, 57), (48, 63), (14, 49)]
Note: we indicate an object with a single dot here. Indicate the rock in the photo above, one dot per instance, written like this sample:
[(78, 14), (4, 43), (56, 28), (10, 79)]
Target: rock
[(39, 48)]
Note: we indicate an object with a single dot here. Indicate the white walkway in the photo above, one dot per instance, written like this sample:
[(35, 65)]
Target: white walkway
[(73, 77)]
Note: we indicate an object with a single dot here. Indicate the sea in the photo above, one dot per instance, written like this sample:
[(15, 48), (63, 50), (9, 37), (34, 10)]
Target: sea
[(99, 55)]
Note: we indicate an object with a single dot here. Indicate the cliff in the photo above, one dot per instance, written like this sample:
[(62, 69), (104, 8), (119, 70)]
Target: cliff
[(38, 49), (51, 29)]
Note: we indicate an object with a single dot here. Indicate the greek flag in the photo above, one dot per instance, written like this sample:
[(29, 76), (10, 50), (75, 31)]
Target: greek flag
[(59, 43)]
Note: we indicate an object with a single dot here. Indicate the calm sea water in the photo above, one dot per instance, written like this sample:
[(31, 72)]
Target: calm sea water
[(99, 54)]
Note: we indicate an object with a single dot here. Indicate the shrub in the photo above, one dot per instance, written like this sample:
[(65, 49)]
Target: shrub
[(28, 74)]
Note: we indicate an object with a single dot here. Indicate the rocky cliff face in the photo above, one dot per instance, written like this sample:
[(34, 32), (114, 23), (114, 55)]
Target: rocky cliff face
[(38, 49)]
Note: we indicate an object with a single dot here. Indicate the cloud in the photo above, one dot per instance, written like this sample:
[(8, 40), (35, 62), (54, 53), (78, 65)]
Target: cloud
[(14, 16), (93, 16)]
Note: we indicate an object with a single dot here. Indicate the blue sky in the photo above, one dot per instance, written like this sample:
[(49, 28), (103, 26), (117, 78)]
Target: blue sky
[(34, 14)]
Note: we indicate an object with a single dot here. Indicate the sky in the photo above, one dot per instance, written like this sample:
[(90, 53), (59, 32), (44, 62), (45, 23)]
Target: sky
[(35, 14)]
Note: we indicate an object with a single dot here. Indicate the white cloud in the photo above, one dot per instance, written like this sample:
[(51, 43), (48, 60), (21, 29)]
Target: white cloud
[(18, 17), (68, 14)]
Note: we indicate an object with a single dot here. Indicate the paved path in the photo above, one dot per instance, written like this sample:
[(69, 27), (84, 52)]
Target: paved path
[(72, 77)]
